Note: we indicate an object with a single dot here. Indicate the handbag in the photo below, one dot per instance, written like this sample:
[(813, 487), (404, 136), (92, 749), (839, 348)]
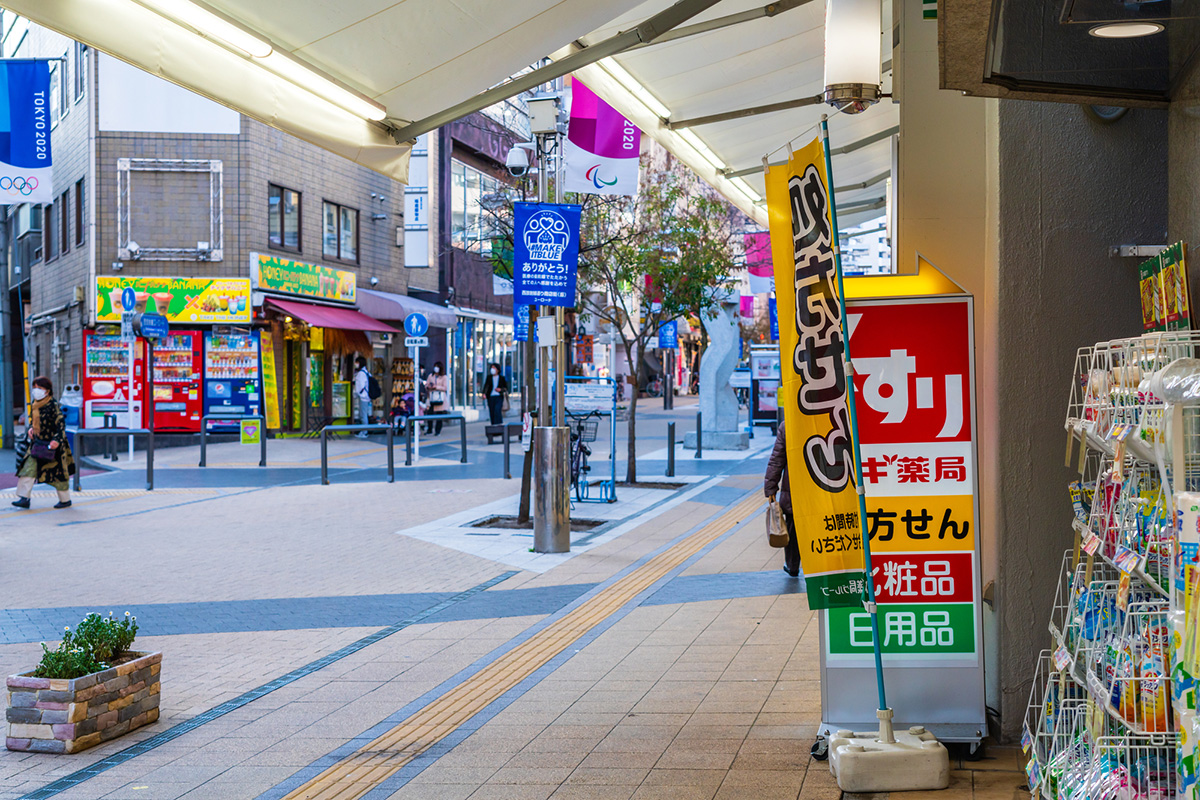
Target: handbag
[(41, 450), (505, 407), (777, 535)]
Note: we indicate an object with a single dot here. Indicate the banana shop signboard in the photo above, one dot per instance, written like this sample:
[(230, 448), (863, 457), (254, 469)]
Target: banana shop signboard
[(914, 387)]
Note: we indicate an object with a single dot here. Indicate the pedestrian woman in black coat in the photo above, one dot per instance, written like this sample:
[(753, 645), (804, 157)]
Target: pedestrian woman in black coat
[(43, 454), (495, 389)]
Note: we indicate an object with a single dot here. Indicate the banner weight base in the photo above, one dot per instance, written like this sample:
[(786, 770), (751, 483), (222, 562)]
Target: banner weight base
[(863, 763)]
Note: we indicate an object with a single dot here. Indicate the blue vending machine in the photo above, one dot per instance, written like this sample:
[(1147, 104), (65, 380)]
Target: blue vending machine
[(232, 378)]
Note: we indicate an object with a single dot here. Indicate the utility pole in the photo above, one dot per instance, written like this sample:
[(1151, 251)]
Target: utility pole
[(6, 389)]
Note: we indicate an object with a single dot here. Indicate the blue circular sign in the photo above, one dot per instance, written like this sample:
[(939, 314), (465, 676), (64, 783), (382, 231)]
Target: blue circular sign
[(128, 298), (416, 325)]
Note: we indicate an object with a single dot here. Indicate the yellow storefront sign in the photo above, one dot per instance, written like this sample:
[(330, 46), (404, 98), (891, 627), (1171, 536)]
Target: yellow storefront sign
[(814, 394), (921, 524), (182, 301), (270, 382)]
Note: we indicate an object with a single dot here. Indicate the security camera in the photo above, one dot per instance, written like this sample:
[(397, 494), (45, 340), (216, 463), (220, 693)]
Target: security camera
[(134, 249), (374, 281), (518, 159)]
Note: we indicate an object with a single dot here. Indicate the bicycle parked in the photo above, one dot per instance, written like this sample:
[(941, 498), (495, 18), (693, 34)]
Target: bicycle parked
[(584, 428)]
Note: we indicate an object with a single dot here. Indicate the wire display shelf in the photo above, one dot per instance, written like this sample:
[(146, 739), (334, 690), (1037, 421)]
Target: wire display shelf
[(1107, 700)]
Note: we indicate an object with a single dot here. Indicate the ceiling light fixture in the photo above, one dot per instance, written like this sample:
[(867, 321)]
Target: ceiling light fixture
[(214, 25), (1126, 30), (211, 24), (853, 74), (634, 87)]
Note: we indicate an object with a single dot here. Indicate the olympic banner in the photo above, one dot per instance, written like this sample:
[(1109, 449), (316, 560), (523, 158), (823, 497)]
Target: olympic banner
[(601, 152), (25, 132), (814, 396)]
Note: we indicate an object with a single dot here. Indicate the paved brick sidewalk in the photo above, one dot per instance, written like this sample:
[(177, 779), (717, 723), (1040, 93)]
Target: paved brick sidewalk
[(704, 687)]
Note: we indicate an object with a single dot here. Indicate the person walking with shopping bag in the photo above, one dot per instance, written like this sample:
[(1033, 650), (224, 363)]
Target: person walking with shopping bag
[(437, 385), (43, 453), (776, 480), (495, 389)]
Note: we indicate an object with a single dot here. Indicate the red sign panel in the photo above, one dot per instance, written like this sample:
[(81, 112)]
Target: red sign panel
[(923, 577), (912, 371)]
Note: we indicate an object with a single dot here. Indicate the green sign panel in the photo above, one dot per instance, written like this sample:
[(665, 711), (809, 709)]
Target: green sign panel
[(930, 629)]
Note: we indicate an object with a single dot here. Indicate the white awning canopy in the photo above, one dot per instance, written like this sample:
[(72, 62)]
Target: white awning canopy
[(348, 76)]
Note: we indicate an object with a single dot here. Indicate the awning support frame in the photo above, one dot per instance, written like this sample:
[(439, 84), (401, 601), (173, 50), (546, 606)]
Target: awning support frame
[(725, 116), (837, 151), (646, 33)]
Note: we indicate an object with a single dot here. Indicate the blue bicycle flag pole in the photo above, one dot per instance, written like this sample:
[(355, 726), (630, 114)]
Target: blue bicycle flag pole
[(25, 124)]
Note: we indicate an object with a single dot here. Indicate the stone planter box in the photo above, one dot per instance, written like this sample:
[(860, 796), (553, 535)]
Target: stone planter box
[(61, 715)]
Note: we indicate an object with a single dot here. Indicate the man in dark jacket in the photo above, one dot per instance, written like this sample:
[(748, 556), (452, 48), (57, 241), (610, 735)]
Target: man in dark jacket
[(776, 480)]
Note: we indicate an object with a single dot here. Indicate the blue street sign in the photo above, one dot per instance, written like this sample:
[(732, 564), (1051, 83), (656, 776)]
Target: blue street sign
[(520, 322), (545, 253), (154, 326), (774, 320), (668, 336), (128, 298), (416, 324)]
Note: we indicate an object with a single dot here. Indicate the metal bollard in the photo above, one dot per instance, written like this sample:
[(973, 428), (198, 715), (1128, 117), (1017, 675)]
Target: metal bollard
[(699, 435), (150, 461), (324, 459), (462, 427), (750, 418), (507, 474), (391, 454), (670, 449), (552, 515), (408, 444)]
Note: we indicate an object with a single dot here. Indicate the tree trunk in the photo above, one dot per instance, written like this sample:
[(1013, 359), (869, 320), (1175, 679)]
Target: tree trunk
[(530, 404), (634, 371)]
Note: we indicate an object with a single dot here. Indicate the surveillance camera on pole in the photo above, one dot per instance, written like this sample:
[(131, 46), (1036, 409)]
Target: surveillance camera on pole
[(519, 158)]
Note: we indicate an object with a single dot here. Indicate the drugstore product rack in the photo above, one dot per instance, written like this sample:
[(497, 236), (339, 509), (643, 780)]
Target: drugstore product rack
[(1112, 708)]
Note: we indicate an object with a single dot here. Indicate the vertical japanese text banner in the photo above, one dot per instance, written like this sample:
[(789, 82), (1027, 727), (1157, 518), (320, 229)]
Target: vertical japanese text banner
[(25, 159), (814, 395)]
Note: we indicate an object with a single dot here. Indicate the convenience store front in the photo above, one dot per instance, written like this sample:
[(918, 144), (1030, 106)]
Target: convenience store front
[(311, 335)]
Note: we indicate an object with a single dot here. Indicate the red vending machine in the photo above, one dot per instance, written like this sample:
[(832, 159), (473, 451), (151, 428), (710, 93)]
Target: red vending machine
[(177, 377), (106, 386)]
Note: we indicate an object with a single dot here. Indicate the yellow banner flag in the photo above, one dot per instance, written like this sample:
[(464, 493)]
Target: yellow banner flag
[(812, 348)]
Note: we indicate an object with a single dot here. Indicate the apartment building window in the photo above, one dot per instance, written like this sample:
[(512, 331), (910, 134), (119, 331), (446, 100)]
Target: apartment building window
[(470, 229), (283, 218), (49, 245), (80, 70), (340, 232), (79, 212), (64, 223)]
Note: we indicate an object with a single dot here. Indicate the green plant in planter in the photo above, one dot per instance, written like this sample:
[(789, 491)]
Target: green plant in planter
[(96, 641)]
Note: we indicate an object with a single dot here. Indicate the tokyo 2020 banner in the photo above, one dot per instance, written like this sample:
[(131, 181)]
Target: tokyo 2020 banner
[(601, 152), (25, 132)]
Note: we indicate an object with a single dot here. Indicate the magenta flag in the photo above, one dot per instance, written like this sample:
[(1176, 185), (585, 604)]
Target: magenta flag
[(602, 147), (758, 262)]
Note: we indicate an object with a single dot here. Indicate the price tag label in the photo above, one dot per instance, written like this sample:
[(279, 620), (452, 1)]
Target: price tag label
[(1062, 658)]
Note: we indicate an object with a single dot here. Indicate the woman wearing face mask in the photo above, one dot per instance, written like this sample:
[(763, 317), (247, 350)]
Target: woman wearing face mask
[(495, 389), (437, 385), (43, 455)]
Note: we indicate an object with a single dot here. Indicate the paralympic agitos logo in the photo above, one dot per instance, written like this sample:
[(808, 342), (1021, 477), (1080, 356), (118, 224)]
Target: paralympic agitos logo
[(18, 185), (593, 175)]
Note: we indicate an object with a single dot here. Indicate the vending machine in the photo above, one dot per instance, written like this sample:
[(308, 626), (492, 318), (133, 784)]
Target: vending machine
[(177, 377), (106, 386), (232, 380)]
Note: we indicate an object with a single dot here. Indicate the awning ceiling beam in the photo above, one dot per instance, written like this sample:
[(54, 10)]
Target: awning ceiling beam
[(853, 187), (649, 31), (863, 205), (728, 20), (742, 112), (837, 151)]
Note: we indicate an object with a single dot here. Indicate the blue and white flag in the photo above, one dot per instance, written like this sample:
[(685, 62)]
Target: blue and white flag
[(545, 253), (25, 132)]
